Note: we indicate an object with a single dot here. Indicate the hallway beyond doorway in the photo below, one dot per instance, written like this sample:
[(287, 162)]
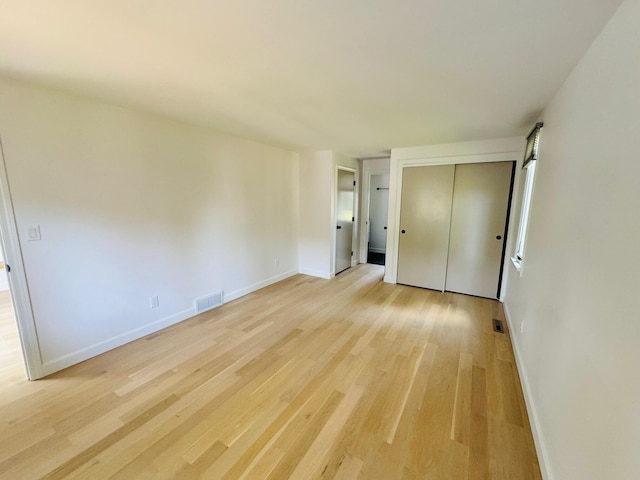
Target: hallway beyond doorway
[(376, 258)]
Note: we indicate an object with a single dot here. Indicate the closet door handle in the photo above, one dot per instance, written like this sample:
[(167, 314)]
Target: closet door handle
[(499, 237)]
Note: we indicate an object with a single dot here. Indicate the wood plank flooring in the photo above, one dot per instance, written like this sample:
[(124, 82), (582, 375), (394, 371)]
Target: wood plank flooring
[(349, 378), (10, 351)]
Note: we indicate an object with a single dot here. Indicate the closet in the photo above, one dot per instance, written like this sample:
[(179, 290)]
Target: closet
[(453, 221)]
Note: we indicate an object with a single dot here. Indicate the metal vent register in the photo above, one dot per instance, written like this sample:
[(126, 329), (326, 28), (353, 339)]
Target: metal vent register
[(208, 302)]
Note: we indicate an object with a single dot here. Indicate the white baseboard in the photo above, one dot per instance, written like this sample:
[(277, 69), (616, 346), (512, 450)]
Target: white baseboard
[(315, 273), (229, 297), (543, 457), (389, 279), (85, 353)]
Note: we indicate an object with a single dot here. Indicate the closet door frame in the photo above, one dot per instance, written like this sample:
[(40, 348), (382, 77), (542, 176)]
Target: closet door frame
[(395, 192)]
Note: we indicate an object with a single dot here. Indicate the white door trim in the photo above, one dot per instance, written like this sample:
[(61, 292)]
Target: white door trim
[(17, 278), (395, 189), (334, 217), (367, 173)]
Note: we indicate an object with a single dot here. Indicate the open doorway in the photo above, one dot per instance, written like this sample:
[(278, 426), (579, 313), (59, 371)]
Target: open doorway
[(19, 349), (345, 218), (378, 208), (11, 358)]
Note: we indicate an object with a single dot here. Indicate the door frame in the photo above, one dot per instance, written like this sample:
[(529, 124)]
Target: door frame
[(18, 285), (367, 173), (334, 217), (395, 190)]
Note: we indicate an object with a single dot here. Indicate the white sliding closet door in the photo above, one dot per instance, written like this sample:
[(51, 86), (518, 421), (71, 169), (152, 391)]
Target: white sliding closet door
[(478, 217), (425, 214)]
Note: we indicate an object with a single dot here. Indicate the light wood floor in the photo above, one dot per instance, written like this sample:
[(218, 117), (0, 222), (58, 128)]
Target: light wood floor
[(10, 352), (345, 378)]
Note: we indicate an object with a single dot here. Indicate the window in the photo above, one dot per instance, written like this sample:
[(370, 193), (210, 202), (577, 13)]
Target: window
[(530, 161)]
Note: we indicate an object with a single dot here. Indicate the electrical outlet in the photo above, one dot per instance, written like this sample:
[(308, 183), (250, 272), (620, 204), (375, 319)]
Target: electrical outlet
[(154, 302), (276, 262), (33, 233), (522, 326)]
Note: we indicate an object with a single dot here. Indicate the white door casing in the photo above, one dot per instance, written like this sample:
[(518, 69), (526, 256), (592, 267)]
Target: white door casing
[(494, 150), (345, 193), (378, 210), (369, 168), (17, 278)]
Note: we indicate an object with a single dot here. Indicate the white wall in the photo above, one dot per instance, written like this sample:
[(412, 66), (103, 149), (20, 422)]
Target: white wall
[(132, 205), (316, 170), (580, 351), (318, 180)]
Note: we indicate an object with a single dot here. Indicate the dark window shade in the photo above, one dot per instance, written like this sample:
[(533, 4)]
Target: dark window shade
[(533, 140)]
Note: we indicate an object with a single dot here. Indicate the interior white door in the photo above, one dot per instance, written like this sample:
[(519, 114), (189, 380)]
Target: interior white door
[(345, 218), (425, 214), (478, 218)]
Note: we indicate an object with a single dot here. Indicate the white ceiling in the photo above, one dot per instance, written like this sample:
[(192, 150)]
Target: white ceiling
[(356, 76)]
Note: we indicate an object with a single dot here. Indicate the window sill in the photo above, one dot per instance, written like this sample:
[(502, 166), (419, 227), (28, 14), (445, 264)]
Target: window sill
[(518, 264)]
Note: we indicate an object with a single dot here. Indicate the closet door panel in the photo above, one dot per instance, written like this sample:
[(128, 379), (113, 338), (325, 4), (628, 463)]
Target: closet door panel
[(478, 217), (425, 214)]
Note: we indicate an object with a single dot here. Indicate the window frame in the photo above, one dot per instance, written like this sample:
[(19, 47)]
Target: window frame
[(530, 164)]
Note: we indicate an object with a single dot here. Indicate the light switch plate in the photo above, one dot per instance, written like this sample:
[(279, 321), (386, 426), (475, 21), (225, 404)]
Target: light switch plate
[(154, 302), (33, 233)]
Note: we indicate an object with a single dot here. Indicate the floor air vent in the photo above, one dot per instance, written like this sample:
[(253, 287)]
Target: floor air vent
[(202, 304), (497, 326)]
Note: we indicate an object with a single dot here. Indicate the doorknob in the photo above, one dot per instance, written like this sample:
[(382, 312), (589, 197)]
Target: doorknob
[(403, 231), (339, 227), (385, 228), (499, 237)]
